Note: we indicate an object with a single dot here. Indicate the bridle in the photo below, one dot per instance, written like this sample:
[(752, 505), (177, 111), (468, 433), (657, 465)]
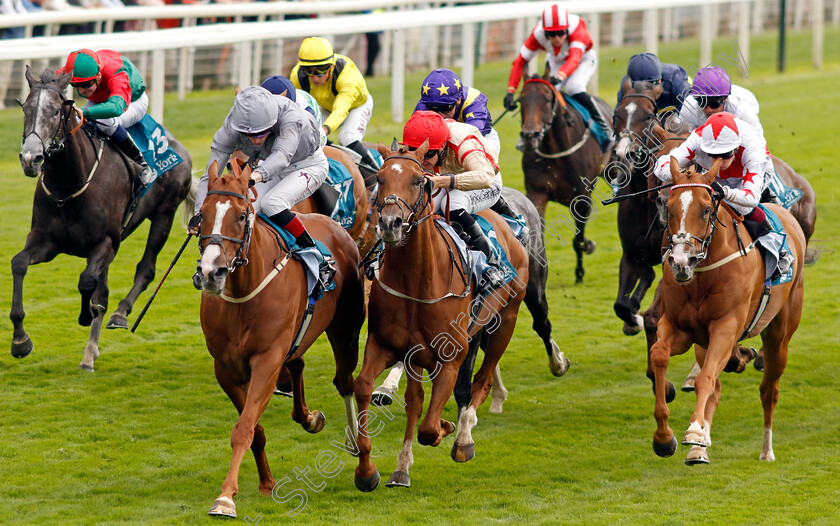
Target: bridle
[(557, 101), (244, 242), (57, 143), (413, 210), (684, 238)]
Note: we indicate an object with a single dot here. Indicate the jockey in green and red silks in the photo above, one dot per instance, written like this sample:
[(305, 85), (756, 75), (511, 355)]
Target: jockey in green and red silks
[(116, 97)]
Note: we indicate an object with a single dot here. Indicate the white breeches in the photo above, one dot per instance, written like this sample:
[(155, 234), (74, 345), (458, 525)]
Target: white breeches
[(577, 81), (293, 185), (473, 201), (132, 115), (354, 126)]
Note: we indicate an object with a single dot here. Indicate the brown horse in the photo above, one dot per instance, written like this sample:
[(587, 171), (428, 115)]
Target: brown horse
[(80, 208), (715, 308), (561, 159), (253, 304), (423, 313)]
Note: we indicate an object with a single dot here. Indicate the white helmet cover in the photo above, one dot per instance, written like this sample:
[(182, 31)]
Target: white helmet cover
[(254, 110), (720, 134)]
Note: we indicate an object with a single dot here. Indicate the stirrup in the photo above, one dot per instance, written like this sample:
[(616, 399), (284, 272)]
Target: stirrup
[(492, 278)]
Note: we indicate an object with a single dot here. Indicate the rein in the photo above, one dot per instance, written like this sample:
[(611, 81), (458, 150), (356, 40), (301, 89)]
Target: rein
[(685, 238), (558, 101), (244, 242)]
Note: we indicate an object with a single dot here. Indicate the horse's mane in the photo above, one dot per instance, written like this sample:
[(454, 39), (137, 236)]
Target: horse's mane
[(49, 76)]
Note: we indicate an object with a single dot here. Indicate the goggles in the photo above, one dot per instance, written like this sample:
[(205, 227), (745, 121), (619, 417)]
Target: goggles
[(316, 71), (709, 102), (727, 155), (259, 135), (429, 154), (83, 85), (560, 33), (441, 108)]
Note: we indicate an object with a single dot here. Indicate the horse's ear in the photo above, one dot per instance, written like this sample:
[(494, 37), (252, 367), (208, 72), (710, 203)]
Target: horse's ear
[(709, 176), (675, 169), (660, 133), (657, 91), (64, 80), (421, 151), (236, 91), (627, 85), (213, 171), (30, 78)]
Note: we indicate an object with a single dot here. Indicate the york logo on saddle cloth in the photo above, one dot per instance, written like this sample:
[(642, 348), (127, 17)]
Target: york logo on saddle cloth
[(150, 138)]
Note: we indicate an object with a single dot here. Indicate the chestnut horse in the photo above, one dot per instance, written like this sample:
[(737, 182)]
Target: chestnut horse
[(83, 192), (561, 159), (423, 314), (714, 309), (252, 307)]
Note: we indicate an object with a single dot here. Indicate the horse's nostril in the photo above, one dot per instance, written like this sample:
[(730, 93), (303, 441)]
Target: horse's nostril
[(397, 223), (221, 272), (692, 260)]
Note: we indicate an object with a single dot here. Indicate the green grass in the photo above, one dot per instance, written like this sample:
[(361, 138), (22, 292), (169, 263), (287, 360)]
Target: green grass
[(146, 439)]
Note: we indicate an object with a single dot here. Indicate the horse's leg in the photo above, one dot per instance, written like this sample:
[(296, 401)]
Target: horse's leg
[(537, 304), (100, 307), (375, 361), (413, 412), (264, 370), (498, 393), (626, 306), (161, 224), (651, 319), (344, 338), (540, 200), (237, 395), (36, 250), (431, 431), (97, 263), (581, 244), (311, 421), (463, 384), (383, 395), (669, 341)]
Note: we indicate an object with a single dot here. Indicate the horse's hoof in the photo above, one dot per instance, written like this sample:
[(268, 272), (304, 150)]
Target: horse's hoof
[(589, 246), (696, 455), (694, 437), (223, 507), (369, 483), (117, 321), (382, 396), (317, 422), (86, 367), (447, 428), (688, 385), (399, 479), (671, 394), (463, 453), (665, 450), (496, 405), (759, 363), (23, 348), (558, 364)]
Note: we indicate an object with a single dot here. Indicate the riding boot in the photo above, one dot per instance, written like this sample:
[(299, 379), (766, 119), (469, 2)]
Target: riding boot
[(367, 158), (502, 207), (289, 222), (130, 149), (492, 278), (586, 101)]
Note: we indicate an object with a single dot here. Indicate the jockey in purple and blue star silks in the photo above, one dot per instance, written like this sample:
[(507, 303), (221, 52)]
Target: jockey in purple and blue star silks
[(442, 92)]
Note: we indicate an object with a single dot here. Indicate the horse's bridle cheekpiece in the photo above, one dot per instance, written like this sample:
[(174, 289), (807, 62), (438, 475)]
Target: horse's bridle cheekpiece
[(684, 238), (244, 242), (411, 221)]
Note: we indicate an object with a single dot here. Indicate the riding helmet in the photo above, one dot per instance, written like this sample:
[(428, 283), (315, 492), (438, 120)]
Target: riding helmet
[(254, 110), (315, 51), (555, 19), (720, 134), (425, 125), (277, 84), (644, 67), (441, 87), (84, 64), (712, 81)]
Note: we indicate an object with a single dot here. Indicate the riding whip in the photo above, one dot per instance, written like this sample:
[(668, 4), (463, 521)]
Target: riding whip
[(628, 196), (146, 307)]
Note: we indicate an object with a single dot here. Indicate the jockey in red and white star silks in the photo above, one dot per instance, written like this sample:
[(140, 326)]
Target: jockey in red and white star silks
[(744, 178)]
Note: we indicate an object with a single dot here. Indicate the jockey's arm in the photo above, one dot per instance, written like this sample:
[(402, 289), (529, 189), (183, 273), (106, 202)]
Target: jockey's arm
[(478, 172), (572, 62), (684, 153), (348, 91), (113, 107), (282, 151), (747, 193), (528, 51)]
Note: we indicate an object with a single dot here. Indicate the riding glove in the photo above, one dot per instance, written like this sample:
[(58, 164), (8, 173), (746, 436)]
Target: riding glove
[(510, 104), (195, 222), (720, 191)]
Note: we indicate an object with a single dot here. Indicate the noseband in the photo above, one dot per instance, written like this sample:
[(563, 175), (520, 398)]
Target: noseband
[(56, 144), (244, 242), (684, 238), (411, 221)]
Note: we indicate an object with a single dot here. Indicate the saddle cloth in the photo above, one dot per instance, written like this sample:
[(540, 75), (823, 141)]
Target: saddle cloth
[(773, 243), (475, 260), (150, 138), (786, 194), (308, 256), (594, 127), (344, 208)]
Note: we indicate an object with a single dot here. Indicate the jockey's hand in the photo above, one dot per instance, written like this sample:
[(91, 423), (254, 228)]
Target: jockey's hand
[(442, 181), (510, 104), (79, 113), (256, 177), (719, 191), (557, 80), (194, 224)]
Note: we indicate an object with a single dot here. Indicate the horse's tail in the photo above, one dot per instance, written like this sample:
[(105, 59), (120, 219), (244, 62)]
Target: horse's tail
[(189, 201), (812, 254)]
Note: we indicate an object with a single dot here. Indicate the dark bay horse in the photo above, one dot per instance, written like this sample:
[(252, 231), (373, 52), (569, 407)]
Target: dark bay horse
[(423, 314), (561, 159), (83, 192), (253, 304), (711, 291)]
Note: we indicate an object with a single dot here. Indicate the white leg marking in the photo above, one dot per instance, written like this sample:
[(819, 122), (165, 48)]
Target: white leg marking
[(405, 458), (498, 393), (392, 381), (466, 422), (767, 446), (352, 421)]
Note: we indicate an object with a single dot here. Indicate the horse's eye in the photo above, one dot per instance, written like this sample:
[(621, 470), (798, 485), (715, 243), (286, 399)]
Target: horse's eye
[(55, 114), (419, 181), (242, 217), (707, 211)]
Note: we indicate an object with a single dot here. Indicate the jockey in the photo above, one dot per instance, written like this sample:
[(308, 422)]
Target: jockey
[(116, 97), (745, 166), (280, 85), (471, 177), (571, 60), (443, 93), (646, 68), (340, 89), (293, 166), (713, 92)]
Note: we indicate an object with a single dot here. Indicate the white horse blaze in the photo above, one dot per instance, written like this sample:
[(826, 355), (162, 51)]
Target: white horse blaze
[(212, 252), (678, 253), (397, 168)]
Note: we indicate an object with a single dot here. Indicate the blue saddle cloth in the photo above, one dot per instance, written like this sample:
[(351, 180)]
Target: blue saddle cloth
[(376, 157), (308, 256), (773, 243), (594, 127), (786, 194), (150, 138), (342, 181)]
